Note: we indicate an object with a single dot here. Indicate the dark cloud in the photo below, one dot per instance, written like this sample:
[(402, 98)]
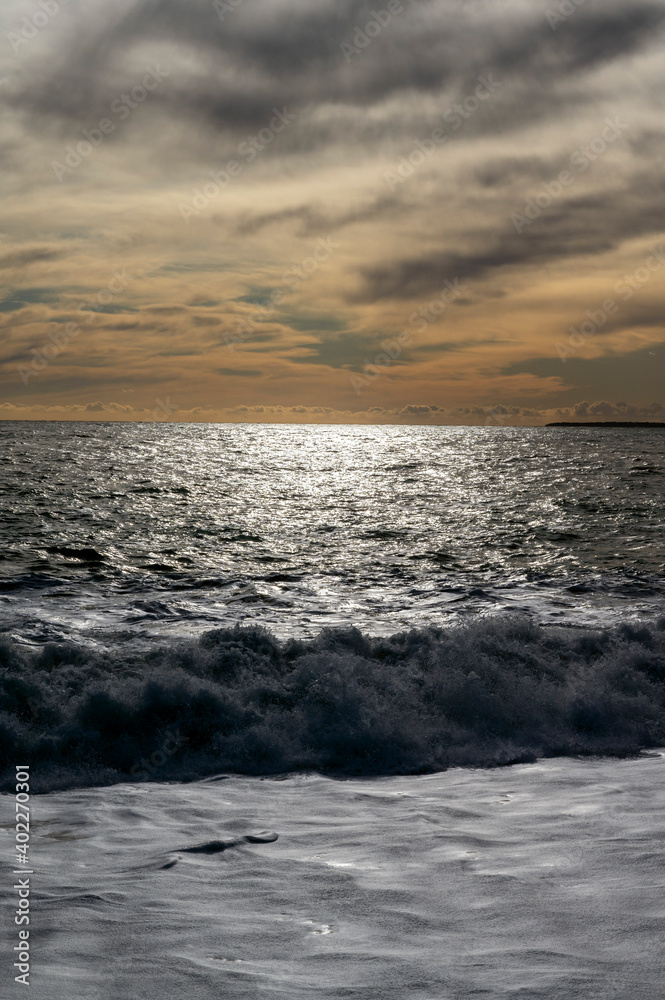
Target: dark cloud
[(576, 226), (314, 219), (350, 350), (31, 255), (638, 374), (604, 410), (257, 297), (227, 76), (517, 170), (24, 297), (312, 322)]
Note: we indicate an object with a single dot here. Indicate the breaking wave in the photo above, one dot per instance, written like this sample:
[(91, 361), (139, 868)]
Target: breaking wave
[(496, 692)]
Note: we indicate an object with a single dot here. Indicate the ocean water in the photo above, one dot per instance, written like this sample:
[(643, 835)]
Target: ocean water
[(535, 882), (350, 600), (112, 532), (268, 677)]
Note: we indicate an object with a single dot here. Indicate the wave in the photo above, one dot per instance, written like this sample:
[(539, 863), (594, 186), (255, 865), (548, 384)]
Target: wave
[(499, 691)]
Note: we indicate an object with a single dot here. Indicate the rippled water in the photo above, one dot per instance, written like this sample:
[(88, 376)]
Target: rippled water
[(118, 531), (543, 882)]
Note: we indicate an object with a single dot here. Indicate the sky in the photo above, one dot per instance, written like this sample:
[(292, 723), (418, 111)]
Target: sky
[(414, 211)]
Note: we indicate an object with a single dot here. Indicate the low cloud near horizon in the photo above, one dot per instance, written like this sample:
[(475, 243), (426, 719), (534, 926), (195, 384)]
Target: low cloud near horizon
[(423, 414)]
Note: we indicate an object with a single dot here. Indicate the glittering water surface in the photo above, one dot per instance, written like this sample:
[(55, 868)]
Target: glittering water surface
[(118, 531)]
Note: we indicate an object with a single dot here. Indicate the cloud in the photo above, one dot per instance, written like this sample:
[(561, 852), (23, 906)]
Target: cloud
[(578, 226), (227, 77), (195, 287), (108, 408), (30, 255), (240, 372), (19, 299), (637, 373), (314, 219), (413, 413), (603, 410), (420, 410)]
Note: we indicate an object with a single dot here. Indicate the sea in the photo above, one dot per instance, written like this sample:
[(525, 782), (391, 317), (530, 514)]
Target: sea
[(336, 711), (123, 532)]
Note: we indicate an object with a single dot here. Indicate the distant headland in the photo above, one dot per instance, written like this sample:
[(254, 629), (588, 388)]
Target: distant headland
[(607, 423)]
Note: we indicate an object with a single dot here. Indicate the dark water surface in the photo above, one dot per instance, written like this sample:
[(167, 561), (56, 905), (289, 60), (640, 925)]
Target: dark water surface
[(117, 531), (399, 592)]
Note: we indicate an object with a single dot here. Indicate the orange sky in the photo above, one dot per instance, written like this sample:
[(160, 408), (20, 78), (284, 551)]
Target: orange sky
[(263, 211)]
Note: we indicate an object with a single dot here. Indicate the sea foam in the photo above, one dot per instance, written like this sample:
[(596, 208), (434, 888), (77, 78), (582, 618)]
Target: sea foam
[(498, 691)]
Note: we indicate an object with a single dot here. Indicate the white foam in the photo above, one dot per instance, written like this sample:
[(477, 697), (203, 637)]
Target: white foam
[(538, 881)]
